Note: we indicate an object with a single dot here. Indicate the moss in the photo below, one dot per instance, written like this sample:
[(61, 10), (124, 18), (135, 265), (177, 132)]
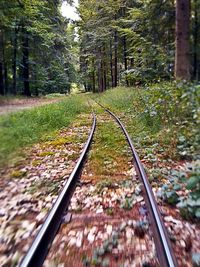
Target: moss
[(36, 162), (17, 174), (73, 156), (46, 153), (110, 211), (59, 142)]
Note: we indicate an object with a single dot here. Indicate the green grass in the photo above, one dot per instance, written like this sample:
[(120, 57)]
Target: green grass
[(24, 128), (163, 122), (107, 158), (55, 95), (164, 114)]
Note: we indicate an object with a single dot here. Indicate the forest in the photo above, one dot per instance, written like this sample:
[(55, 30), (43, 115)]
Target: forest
[(114, 43), (99, 133)]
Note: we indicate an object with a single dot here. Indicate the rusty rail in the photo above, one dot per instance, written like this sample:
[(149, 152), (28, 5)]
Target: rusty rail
[(41, 244), (163, 245)]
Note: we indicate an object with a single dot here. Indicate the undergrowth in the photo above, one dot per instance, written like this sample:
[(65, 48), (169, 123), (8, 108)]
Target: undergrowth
[(107, 159), (22, 129), (166, 114), (163, 122)]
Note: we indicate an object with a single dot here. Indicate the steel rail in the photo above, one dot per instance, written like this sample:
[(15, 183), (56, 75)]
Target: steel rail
[(41, 244), (164, 250)]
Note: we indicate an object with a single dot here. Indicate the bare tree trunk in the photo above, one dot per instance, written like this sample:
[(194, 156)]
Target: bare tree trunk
[(125, 58), (1, 79), (99, 71), (104, 69), (182, 57), (195, 66), (5, 77), (93, 77), (125, 52), (101, 77), (26, 63), (105, 78), (5, 70), (93, 82), (115, 59), (2, 89), (14, 63), (111, 65)]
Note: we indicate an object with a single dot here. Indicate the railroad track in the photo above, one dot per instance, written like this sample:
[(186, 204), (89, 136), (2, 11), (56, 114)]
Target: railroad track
[(41, 245)]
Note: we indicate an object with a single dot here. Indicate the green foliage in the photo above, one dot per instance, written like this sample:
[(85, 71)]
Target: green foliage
[(151, 50), (173, 184), (196, 259), (177, 182), (50, 54), (107, 182), (154, 109), (190, 205), (139, 35), (25, 128), (127, 204), (163, 122)]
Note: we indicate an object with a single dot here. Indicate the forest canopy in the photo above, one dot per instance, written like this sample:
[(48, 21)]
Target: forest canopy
[(120, 42)]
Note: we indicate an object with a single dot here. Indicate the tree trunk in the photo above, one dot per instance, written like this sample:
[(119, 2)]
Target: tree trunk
[(125, 52), (93, 76), (115, 60), (26, 64), (104, 76), (5, 70), (125, 58), (2, 89), (182, 57), (111, 65), (93, 82), (195, 64), (100, 72), (104, 69), (99, 76), (14, 63), (5, 77)]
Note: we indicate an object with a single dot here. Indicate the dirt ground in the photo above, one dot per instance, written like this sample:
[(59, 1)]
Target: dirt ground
[(13, 105)]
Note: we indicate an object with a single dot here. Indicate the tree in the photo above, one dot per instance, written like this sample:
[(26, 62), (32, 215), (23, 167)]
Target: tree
[(1, 64), (182, 56), (35, 48), (126, 42)]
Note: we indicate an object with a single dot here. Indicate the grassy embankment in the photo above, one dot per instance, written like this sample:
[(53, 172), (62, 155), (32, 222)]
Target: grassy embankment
[(162, 117), (24, 128), (163, 122)]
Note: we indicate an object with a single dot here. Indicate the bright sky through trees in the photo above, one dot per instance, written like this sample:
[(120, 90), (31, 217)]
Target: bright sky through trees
[(70, 11)]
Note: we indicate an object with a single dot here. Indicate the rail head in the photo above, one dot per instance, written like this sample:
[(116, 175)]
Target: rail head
[(164, 251), (41, 244)]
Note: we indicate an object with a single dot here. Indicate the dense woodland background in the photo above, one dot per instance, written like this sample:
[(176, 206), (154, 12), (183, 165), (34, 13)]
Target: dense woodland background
[(115, 42)]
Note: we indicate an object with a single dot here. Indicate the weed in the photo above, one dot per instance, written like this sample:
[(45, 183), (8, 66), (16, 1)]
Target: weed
[(73, 156), (36, 162), (17, 174), (21, 129), (106, 182), (165, 113), (110, 211), (162, 120), (127, 204), (46, 153), (59, 142)]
